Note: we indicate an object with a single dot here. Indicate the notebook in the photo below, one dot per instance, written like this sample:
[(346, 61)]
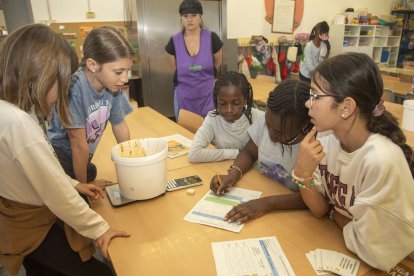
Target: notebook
[(178, 145)]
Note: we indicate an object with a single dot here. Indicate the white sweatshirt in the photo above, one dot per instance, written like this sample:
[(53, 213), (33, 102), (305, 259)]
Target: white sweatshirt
[(374, 187), (30, 173), (229, 138)]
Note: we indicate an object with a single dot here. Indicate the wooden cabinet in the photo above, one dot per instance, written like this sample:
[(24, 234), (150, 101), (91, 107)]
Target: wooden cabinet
[(379, 42), (406, 52)]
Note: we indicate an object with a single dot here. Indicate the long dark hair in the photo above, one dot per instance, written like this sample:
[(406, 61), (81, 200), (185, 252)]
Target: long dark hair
[(323, 28), (239, 80), (357, 76)]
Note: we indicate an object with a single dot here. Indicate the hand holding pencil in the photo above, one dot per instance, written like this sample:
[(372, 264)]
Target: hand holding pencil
[(221, 184)]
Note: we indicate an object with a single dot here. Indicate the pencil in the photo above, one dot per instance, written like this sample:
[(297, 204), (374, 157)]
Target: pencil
[(219, 179)]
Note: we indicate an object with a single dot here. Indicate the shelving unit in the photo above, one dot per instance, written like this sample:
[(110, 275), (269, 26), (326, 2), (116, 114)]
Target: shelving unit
[(406, 51), (379, 42)]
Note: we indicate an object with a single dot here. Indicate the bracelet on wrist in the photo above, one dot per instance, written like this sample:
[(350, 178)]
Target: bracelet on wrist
[(303, 182), (234, 167)]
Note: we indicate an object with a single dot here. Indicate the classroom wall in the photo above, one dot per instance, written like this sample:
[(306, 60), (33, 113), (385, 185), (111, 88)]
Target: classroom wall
[(75, 10), (246, 17)]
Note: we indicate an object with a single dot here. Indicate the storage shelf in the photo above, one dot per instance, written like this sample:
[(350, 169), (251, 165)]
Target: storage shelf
[(404, 53), (379, 42)]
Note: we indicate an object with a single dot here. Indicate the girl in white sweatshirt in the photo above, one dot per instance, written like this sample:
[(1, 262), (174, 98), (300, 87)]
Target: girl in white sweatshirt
[(226, 125), (361, 175)]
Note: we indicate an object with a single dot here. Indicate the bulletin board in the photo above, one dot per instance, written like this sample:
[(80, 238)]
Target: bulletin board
[(283, 16), (75, 33)]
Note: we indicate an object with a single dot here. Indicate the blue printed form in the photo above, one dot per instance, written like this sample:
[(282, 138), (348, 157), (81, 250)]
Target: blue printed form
[(260, 256), (211, 209)]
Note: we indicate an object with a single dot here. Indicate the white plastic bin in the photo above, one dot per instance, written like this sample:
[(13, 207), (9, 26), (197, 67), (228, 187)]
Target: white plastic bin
[(408, 115), (142, 177)]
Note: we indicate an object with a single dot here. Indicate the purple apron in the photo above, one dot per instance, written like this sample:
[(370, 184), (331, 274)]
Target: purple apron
[(195, 75)]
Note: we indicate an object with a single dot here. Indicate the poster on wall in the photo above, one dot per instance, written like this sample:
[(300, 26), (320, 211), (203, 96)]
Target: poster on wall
[(284, 15)]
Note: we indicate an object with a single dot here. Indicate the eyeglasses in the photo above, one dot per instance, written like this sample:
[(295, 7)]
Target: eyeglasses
[(313, 97)]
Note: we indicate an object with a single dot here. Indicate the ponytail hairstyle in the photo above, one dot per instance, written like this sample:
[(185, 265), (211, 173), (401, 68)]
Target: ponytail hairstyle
[(32, 59), (321, 28), (106, 44), (288, 100), (357, 76), (239, 80)]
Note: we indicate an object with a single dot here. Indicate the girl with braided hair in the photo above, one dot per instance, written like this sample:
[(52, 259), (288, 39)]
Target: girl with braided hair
[(226, 125), (274, 145), (362, 173)]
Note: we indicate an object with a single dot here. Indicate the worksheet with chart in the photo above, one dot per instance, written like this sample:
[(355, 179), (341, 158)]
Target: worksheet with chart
[(211, 209), (259, 256)]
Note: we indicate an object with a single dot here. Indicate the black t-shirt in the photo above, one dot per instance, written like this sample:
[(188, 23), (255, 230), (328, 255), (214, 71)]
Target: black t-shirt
[(216, 44)]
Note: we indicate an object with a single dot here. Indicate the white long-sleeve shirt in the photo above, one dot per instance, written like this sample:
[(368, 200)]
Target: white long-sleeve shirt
[(374, 187), (312, 59), (229, 138), (30, 173)]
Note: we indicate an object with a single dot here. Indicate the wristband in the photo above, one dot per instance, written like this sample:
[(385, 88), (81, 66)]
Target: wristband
[(236, 168)]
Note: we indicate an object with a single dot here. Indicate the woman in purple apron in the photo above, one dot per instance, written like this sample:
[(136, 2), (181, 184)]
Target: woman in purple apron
[(195, 54)]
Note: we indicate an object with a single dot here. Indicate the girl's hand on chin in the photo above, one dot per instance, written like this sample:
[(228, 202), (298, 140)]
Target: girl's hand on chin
[(309, 155)]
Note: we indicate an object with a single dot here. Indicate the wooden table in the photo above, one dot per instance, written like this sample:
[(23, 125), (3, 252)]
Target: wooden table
[(397, 86), (395, 70), (261, 90), (162, 243)]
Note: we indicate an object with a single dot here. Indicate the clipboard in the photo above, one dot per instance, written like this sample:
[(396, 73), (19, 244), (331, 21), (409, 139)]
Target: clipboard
[(283, 16)]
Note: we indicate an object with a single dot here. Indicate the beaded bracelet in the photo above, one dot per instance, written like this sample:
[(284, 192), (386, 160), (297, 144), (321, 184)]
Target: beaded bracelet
[(301, 181), (236, 168)]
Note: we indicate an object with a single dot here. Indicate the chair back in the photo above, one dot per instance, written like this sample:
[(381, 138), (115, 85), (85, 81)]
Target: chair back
[(189, 120)]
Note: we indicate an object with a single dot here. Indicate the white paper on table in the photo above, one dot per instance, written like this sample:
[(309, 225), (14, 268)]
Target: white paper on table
[(260, 256), (211, 209)]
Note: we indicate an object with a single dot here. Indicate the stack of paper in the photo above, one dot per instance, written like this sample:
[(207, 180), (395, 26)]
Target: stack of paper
[(324, 261)]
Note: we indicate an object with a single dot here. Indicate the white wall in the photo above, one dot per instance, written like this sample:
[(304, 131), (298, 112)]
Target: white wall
[(246, 17), (75, 10)]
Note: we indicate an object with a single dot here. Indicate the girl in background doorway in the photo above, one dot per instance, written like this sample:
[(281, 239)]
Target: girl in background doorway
[(95, 98), (226, 126), (274, 143), (317, 50), (195, 53), (362, 173)]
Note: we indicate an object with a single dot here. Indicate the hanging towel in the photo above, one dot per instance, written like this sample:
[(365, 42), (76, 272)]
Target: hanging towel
[(292, 53)]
